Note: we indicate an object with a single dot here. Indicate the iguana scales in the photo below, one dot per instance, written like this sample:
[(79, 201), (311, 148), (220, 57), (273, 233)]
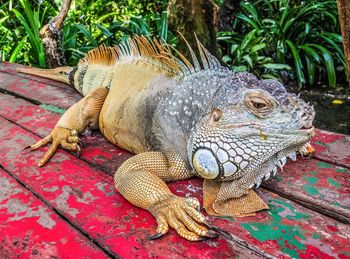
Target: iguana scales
[(182, 119)]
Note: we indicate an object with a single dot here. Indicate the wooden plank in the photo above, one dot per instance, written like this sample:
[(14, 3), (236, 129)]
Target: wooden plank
[(329, 196), (41, 121), (29, 228), (321, 186), (39, 91), (10, 68), (330, 147), (86, 197)]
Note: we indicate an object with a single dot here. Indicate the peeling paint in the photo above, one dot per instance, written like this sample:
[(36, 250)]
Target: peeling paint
[(7, 189), (22, 211), (62, 204)]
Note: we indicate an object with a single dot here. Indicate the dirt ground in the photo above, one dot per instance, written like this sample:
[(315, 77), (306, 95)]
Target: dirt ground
[(332, 108)]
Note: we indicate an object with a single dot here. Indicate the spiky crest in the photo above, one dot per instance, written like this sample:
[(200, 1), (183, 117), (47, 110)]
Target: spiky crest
[(140, 49)]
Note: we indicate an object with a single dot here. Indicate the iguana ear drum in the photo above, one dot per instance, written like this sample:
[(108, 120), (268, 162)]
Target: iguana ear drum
[(205, 164)]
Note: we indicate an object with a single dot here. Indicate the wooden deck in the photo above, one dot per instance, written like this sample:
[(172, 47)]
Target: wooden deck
[(69, 208)]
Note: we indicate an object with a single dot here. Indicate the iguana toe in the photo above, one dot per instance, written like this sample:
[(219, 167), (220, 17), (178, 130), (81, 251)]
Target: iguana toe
[(182, 215), (66, 138)]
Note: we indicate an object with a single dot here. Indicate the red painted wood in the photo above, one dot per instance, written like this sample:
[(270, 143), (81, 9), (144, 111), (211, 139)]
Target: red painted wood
[(332, 147), (329, 194), (10, 69), (85, 195), (40, 121), (276, 242), (61, 97), (319, 185), (31, 229)]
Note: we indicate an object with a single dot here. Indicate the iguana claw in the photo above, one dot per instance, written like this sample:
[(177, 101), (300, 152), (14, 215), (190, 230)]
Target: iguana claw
[(66, 138), (182, 215), (155, 236)]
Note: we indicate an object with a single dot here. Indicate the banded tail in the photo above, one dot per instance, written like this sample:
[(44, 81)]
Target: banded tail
[(61, 74)]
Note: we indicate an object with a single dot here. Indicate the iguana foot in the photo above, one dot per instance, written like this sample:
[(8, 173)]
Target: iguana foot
[(67, 138), (182, 215)]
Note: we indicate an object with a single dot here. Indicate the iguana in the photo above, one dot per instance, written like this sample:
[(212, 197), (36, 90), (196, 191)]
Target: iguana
[(182, 119)]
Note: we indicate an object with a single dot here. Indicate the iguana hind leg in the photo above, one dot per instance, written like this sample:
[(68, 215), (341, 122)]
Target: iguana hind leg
[(140, 180), (82, 115)]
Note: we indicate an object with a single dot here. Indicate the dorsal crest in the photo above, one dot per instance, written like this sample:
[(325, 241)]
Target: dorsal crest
[(139, 49)]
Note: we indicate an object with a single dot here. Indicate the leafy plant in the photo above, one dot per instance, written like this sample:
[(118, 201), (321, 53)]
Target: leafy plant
[(304, 34), (20, 22), (245, 53), (32, 24), (88, 24), (78, 38)]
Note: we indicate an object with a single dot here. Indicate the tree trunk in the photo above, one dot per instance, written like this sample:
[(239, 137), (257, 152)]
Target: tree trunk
[(51, 37), (191, 17), (344, 18), (226, 14)]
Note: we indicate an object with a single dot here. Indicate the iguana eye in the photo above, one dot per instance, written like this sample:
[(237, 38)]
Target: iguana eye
[(259, 104)]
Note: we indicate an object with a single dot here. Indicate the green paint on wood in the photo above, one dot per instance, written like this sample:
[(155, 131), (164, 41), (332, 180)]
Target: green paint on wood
[(313, 172), (284, 234), (23, 80), (311, 189), (290, 208), (278, 178), (324, 165), (52, 108), (317, 236), (320, 143), (334, 182), (342, 170), (340, 205), (311, 180)]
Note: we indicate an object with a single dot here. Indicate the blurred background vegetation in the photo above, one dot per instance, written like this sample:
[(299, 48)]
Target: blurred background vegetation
[(293, 41)]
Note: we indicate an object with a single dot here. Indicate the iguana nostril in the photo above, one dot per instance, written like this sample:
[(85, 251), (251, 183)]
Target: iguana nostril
[(205, 164)]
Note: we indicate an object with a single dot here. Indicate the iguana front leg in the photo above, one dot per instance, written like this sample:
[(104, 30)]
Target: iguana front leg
[(84, 114), (140, 180)]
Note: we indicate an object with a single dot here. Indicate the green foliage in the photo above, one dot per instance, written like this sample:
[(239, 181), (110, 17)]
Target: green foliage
[(88, 24), (245, 53), (91, 23), (20, 23), (303, 34)]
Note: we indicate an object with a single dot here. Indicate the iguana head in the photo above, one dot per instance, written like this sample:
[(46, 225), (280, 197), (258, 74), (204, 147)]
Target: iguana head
[(250, 126)]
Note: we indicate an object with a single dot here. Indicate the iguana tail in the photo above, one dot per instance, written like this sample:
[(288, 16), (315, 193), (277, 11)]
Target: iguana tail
[(61, 74)]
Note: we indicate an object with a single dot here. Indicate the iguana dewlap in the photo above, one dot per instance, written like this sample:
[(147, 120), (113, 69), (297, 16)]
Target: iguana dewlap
[(182, 119)]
